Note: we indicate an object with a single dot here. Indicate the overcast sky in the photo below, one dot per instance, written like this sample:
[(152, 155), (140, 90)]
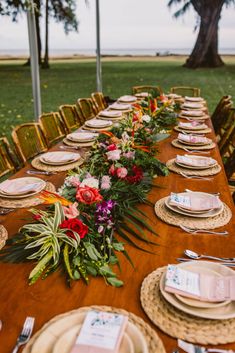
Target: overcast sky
[(124, 24)]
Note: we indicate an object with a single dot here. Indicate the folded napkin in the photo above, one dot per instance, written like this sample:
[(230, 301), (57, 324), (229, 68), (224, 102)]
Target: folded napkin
[(193, 139), (110, 114), (13, 187), (119, 106), (204, 287), (101, 332), (98, 123), (193, 125), (60, 156), (192, 105), (194, 113), (81, 136), (127, 99), (195, 161), (142, 94), (195, 201)]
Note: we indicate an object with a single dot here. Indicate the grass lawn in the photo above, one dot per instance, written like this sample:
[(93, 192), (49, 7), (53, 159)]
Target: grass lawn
[(68, 80)]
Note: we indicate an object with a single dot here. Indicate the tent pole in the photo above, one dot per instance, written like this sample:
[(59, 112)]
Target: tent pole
[(98, 61), (34, 60)]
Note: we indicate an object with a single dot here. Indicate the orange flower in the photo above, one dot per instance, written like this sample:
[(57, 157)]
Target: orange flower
[(50, 198)]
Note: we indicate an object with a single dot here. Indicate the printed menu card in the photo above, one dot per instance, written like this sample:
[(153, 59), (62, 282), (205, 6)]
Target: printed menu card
[(204, 287), (101, 332)]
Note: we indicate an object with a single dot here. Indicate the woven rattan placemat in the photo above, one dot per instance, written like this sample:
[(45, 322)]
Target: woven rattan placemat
[(204, 131), (3, 236), (203, 117), (25, 202), (77, 144), (154, 343), (202, 172), (178, 324), (176, 219), (37, 164), (178, 144), (84, 127)]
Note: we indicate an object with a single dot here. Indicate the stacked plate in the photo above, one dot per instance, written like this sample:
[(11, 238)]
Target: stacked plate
[(127, 99), (195, 204), (195, 162), (82, 137), (194, 125), (110, 114), (120, 106), (192, 105), (194, 99), (98, 124), (59, 158), (59, 336), (192, 140), (21, 187), (142, 95), (193, 115), (208, 310)]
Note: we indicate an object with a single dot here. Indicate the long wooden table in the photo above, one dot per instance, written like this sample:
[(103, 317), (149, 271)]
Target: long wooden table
[(50, 297)]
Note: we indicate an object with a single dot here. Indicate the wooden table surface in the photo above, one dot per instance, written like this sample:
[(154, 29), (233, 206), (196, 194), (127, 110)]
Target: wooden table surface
[(50, 297)]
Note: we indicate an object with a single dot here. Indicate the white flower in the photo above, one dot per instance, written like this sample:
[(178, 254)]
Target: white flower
[(146, 118), (92, 182), (125, 136)]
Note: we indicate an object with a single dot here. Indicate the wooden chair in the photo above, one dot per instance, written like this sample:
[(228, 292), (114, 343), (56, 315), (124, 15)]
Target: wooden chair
[(80, 115), (69, 117), (155, 91), (52, 127), (29, 140), (8, 160), (220, 112), (226, 131), (228, 156), (87, 108), (99, 100), (186, 91)]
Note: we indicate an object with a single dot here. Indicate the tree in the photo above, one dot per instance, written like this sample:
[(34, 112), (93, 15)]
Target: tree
[(205, 51), (62, 11)]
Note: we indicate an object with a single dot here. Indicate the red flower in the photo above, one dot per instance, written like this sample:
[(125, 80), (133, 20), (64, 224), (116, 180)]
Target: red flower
[(88, 195), (112, 147), (76, 225), (112, 170), (37, 217), (135, 118), (153, 105), (137, 175)]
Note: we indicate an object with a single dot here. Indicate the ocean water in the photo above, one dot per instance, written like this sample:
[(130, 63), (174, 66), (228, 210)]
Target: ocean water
[(109, 51)]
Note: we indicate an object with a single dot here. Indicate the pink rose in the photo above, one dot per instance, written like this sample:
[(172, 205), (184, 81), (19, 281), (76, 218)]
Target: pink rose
[(74, 181), (121, 172), (114, 155), (129, 155), (112, 170), (105, 182), (88, 195), (71, 211)]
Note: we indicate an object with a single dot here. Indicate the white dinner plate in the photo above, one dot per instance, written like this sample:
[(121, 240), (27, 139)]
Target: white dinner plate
[(206, 214), (127, 99), (59, 158), (194, 99), (221, 312), (27, 186), (195, 144), (98, 123), (197, 167), (82, 136)]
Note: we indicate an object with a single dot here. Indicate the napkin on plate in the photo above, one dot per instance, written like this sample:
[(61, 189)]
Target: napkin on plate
[(81, 136), (194, 124), (127, 99), (101, 332), (98, 123), (194, 99), (195, 113), (195, 201), (110, 114), (11, 187), (201, 286), (193, 139), (59, 157), (195, 161), (119, 106)]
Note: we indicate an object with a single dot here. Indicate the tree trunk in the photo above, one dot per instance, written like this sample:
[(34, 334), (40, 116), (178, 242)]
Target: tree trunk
[(205, 51), (45, 64)]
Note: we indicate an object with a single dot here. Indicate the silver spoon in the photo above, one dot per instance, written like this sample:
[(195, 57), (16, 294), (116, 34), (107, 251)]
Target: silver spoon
[(196, 256)]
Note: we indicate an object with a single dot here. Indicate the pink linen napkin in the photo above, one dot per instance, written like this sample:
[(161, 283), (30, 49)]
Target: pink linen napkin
[(110, 114), (195, 113), (127, 99), (194, 124), (193, 139), (195, 201), (60, 156), (101, 332), (119, 106), (204, 287), (195, 161), (19, 187)]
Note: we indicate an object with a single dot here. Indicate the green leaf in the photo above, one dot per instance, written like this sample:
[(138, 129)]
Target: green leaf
[(39, 268), (114, 282), (118, 246), (66, 261), (91, 270)]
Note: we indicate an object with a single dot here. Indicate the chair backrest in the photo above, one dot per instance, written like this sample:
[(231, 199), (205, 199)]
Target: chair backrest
[(155, 91), (29, 140), (99, 100), (220, 112), (86, 107), (80, 115), (52, 127), (229, 164), (69, 117), (186, 91), (7, 158), (226, 130)]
